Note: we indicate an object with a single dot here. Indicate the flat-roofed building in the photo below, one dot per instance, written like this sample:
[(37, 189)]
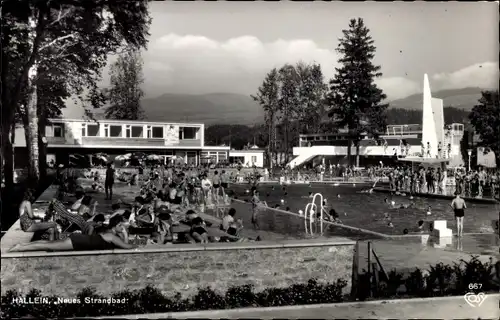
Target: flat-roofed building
[(117, 137)]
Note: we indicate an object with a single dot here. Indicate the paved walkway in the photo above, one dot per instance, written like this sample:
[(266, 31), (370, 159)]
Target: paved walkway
[(406, 256), (430, 308)]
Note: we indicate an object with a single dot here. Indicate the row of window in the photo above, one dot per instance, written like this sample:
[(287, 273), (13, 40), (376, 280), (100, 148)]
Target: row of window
[(115, 131), (214, 154)]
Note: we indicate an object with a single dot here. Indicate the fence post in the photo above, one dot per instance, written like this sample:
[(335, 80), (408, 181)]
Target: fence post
[(369, 266), (355, 272)]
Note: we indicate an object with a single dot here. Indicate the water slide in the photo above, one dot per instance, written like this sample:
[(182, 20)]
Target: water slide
[(300, 159)]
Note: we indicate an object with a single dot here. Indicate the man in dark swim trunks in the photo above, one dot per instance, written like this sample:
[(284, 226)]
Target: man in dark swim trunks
[(224, 182), (110, 180), (216, 185), (458, 206)]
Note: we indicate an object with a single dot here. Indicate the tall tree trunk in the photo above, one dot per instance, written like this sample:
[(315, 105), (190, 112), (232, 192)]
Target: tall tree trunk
[(270, 122), (42, 147), (30, 120), (349, 144), (357, 153), (7, 162), (286, 138), (13, 144)]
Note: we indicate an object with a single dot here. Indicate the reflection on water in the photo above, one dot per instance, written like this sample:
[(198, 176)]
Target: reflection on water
[(368, 211)]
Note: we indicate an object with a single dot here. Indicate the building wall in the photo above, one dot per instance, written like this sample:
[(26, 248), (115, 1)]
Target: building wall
[(250, 157), (181, 269), (437, 108), (73, 135)]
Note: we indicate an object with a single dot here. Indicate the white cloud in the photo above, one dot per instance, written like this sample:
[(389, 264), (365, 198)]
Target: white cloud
[(398, 87), (483, 75), (197, 64)]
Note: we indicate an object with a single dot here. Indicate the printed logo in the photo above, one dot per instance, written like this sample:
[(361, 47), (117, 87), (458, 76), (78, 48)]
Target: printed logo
[(475, 299)]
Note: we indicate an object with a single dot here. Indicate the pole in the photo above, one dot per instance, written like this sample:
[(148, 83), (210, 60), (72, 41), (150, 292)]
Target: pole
[(369, 266), (469, 153)]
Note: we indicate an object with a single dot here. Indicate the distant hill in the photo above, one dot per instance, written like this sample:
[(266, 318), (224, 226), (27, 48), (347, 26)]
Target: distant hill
[(233, 108), (465, 98), (213, 108)]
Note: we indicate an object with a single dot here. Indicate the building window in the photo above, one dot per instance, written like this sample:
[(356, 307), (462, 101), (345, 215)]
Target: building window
[(254, 159), (127, 131), (188, 133), (92, 130), (157, 132), (115, 131), (137, 131), (84, 130), (106, 130), (222, 155), (58, 130)]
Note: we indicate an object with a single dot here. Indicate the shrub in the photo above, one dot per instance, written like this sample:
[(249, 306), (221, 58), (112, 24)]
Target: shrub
[(439, 280), (152, 300)]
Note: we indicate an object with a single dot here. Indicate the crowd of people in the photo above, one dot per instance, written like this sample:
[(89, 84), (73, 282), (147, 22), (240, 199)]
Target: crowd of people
[(475, 183), (169, 208)]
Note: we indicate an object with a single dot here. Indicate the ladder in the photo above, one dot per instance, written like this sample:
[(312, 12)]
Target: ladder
[(310, 211)]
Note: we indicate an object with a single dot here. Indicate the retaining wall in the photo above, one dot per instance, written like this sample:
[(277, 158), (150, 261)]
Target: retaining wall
[(183, 268)]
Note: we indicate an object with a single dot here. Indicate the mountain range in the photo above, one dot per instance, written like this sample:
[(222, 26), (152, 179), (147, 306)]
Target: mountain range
[(233, 108)]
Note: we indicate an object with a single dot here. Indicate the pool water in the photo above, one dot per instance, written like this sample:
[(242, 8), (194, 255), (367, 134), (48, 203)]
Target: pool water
[(368, 211)]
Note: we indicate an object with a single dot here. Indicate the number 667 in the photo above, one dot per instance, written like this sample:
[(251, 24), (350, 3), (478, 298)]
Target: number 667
[(475, 286)]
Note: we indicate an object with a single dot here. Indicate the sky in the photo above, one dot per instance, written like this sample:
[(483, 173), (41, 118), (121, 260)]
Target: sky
[(205, 47)]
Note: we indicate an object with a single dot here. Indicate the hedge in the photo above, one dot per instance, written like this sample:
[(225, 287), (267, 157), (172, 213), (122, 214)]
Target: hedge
[(439, 280)]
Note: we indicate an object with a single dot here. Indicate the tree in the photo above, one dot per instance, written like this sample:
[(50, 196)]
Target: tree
[(312, 90), (125, 93), (355, 100), (485, 117), (288, 103), (75, 35), (466, 144), (268, 96)]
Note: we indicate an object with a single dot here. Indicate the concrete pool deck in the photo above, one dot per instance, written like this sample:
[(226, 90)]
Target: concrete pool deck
[(395, 252), (417, 308), (441, 196)]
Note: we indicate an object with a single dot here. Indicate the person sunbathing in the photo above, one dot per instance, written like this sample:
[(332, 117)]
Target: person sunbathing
[(79, 195), (95, 223), (87, 208), (29, 222), (163, 225), (104, 239), (198, 233)]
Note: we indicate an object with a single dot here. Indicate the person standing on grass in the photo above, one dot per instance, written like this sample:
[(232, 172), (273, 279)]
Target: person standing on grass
[(458, 205), (110, 180)]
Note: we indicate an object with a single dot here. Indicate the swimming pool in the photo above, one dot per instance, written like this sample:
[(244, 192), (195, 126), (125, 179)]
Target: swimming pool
[(367, 211)]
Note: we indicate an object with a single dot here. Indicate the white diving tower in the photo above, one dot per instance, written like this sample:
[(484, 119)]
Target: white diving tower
[(432, 132)]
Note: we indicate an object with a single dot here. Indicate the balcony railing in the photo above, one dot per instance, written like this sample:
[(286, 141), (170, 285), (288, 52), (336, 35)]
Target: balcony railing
[(152, 142), (105, 141)]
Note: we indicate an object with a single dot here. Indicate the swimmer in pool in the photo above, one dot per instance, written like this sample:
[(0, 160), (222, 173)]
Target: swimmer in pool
[(333, 216), (393, 204), (421, 225)]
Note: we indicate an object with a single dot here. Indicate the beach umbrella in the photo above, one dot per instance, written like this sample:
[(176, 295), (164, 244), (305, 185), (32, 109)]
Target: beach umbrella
[(124, 157), (76, 156), (101, 156), (153, 157), (138, 155)]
